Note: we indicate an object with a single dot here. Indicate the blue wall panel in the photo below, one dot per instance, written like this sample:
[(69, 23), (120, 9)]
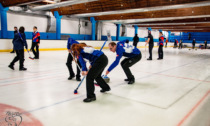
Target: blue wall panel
[(200, 37)]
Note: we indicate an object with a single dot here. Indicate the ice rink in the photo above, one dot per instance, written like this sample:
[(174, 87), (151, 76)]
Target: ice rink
[(170, 92)]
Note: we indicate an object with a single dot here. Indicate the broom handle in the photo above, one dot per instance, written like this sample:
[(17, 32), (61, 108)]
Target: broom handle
[(75, 61)]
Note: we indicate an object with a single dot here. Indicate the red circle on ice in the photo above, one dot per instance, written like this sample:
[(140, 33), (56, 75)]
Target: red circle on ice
[(14, 115)]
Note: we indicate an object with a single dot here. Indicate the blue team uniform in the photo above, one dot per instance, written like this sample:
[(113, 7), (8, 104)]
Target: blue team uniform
[(90, 54), (70, 42), (19, 41), (124, 49)]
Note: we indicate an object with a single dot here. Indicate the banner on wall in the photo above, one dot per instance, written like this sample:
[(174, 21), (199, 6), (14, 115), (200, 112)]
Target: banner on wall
[(109, 38)]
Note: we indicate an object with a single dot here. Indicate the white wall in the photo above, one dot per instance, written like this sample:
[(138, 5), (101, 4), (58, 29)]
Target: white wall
[(109, 26), (86, 30), (142, 33), (71, 27), (130, 31), (68, 26), (27, 21)]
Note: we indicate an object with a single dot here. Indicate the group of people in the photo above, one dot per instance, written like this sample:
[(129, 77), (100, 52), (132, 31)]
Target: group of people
[(150, 41), (81, 53), (176, 42), (193, 44), (19, 41)]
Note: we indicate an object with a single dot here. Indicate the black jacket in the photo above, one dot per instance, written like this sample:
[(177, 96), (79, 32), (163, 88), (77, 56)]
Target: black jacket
[(136, 39)]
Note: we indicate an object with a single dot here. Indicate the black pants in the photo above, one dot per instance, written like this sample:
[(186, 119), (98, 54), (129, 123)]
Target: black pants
[(95, 74), (69, 65), (36, 53), (160, 51), (193, 46), (128, 62), (166, 45), (150, 51), (135, 44), (205, 46), (180, 46), (175, 45), (20, 57)]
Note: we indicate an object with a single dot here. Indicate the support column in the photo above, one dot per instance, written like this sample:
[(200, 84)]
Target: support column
[(93, 33), (136, 29), (169, 35), (118, 32), (3, 11), (58, 25)]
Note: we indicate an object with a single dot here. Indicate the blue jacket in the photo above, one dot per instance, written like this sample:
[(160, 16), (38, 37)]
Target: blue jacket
[(70, 42), (124, 49), (19, 41), (90, 54)]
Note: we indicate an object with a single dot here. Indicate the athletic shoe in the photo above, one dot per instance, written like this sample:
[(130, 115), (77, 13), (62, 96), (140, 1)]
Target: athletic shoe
[(78, 79), (89, 99), (159, 58), (149, 59), (131, 81), (126, 79), (71, 77), (103, 91), (23, 69), (96, 84), (12, 52), (12, 67)]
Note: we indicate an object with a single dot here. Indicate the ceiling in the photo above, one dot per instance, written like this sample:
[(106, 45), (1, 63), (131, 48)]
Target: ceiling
[(169, 15)]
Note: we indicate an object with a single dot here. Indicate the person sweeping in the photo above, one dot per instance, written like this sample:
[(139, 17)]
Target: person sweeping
[(132, 53), (19, 42), (70, 42), (98, 62)]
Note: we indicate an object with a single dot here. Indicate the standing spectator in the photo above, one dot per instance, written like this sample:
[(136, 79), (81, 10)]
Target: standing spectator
[(180, 44), (35, 42), (175, 43), (150, 42), (205, 44), (160, 49), (166, 43), (193, 44), (15, 31), (135, 40)]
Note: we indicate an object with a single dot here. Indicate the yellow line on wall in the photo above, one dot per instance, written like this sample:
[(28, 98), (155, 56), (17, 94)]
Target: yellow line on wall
[(61, 49)]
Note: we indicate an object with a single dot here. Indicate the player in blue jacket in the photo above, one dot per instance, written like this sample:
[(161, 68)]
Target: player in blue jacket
[(70, 42), (19, 42), (98, 61), (132, 53)]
